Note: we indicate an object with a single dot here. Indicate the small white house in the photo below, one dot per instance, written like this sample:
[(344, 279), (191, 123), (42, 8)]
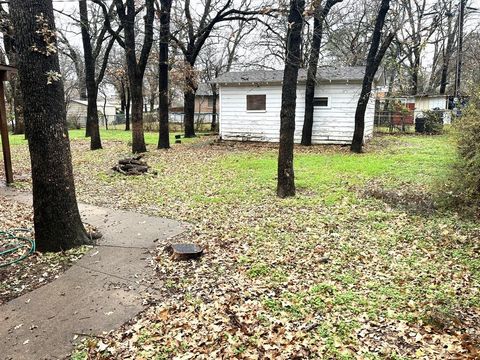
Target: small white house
[(432, 102), (77, 113), (250, 105)]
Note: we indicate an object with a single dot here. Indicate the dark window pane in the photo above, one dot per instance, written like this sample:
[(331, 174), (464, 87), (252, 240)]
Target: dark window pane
[(256, 102), (320, 101)]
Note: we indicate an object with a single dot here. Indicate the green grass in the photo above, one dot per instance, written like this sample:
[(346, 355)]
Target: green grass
[(151, 138), (330, 251)]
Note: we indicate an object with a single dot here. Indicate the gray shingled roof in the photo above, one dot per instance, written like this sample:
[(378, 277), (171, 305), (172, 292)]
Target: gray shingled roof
[(325, 73)]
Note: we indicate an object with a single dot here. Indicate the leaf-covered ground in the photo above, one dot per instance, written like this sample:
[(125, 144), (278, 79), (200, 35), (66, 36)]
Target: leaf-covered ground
[(35, 270), (363, 263)]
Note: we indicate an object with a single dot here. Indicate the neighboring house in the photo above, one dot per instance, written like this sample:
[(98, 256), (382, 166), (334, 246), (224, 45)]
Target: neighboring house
[(427, 102), (250, 104), (77, 113), (203, 106)]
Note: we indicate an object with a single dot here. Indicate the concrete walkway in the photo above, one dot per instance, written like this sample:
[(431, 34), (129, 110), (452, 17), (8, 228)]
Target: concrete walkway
[(99, 293)]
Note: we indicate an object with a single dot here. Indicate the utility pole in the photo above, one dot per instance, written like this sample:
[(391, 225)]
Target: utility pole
[(458, 70)]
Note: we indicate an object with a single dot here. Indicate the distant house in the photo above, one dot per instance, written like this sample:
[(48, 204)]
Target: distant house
[(77, 113), (203, 106), (250, 105), (431, 102), (427, 102)]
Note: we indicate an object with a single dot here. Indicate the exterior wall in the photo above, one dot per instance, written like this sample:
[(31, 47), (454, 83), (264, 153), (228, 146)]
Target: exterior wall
[(77, 113), (332, 125), (425, 103), (202, 104)]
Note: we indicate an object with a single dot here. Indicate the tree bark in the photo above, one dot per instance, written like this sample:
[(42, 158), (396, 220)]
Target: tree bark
[(127, 109), (447, 55), (122, 98), (138, 139), (189, 105), (56, 217), (136, 67), (415, 70), (286, 177), (374, 58), (163, 68), (320, 15), (90, 81), (214, 108)]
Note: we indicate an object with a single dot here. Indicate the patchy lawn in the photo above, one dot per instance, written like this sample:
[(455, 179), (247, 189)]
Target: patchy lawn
[(34, 270), (346, 269), (151, 138)]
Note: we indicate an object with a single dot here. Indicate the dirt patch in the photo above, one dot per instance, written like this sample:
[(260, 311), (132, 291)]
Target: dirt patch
[(270, 146), (404, 197)]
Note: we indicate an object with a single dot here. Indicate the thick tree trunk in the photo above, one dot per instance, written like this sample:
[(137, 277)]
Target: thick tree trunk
[(138, 139), (357, 143), (447, 55), (415, 71), (92, 89), (444, 76), (122, 98), (189, 110), (286, 178), (320, 15), (136, 65), (127, 110), (189, 104), (56, 217), (163, 67), (214, 109), (374, 58)]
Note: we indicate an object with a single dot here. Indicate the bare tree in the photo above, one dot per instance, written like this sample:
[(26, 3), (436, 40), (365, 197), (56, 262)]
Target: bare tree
[(348, 32), (286, 177), (422, 20), (56, 217), (136, 59), (76, 57), (224, 51), (163, 71), (448, 36), (320, 13), (374, 58), (196, 30), (95, 55)]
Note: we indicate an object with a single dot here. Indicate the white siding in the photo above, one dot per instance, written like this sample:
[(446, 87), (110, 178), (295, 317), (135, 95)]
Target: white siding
[(77, 112), (332, 125)]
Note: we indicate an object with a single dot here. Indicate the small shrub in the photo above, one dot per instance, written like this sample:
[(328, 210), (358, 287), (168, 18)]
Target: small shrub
[(433, 122), (465, 180)]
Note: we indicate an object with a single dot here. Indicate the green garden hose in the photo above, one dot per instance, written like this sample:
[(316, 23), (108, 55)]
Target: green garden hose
[(18, 243)]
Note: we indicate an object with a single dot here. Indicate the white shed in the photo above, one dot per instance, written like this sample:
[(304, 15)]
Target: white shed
[(77, 113), (432, 102), (250, 105)]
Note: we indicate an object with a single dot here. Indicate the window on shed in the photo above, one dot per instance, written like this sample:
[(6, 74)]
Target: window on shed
[(210, 101), (320, 102), (256, 102)]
